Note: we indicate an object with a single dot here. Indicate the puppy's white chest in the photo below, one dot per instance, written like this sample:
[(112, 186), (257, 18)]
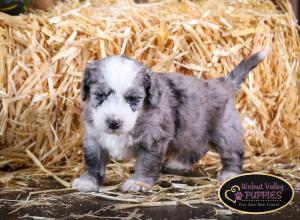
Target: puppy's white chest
[(119, 147)]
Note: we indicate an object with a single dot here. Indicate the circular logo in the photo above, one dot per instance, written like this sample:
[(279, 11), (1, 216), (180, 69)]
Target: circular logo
[(256, 193)]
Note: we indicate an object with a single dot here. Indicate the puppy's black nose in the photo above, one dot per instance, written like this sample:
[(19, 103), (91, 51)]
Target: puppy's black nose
[(113, 124)]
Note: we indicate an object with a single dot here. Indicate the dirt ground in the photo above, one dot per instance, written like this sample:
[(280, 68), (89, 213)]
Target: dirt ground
[(69, 204)]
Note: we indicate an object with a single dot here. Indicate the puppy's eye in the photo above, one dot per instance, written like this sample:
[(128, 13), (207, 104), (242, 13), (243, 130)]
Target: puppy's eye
[(100, 97), (133, 100)]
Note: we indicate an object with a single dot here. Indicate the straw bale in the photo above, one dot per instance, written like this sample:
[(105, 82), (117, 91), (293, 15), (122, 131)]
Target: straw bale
[(42, 55)]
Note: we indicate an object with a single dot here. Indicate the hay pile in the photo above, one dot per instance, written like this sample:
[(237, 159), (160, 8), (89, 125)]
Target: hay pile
[(42, 55)]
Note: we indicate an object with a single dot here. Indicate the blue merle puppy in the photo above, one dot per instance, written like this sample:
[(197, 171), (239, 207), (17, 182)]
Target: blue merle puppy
[(158, 118)]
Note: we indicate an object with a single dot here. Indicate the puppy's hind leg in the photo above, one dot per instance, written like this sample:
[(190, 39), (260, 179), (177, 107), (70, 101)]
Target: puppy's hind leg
[(227, 140)]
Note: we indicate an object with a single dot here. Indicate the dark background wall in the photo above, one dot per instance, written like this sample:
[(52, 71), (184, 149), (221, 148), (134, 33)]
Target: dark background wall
[(296, 8)]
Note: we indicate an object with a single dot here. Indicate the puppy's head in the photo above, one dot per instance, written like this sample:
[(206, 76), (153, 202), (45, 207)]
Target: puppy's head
[(117, 89)]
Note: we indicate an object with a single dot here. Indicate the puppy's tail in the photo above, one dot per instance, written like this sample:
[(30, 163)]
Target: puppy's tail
[(239, 73)]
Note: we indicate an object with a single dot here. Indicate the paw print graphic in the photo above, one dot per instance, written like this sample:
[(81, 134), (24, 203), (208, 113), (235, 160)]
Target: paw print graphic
[(238, 196)]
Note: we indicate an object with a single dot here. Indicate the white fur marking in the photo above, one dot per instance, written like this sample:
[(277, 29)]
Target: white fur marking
[(134, 185), (264, 53), (226, 175), (119, 73), (176, 165), (118, 146), (115, 107), (85, 183)]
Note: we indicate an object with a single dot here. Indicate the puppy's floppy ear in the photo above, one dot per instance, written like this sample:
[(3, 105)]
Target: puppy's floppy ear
[(152, 87), (88, 78)]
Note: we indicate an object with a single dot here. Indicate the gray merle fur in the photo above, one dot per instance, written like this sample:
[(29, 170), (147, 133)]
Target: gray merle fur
[(180, 117)]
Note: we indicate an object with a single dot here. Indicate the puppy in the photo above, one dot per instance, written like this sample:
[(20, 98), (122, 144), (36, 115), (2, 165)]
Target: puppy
[(158, 118)]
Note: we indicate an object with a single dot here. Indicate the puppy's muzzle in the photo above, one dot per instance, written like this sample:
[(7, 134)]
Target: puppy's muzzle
[(113, 124)]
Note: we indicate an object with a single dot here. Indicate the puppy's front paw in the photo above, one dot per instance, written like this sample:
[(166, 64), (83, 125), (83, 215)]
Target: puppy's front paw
[(86, 183), (226, 175), (135, 185)]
